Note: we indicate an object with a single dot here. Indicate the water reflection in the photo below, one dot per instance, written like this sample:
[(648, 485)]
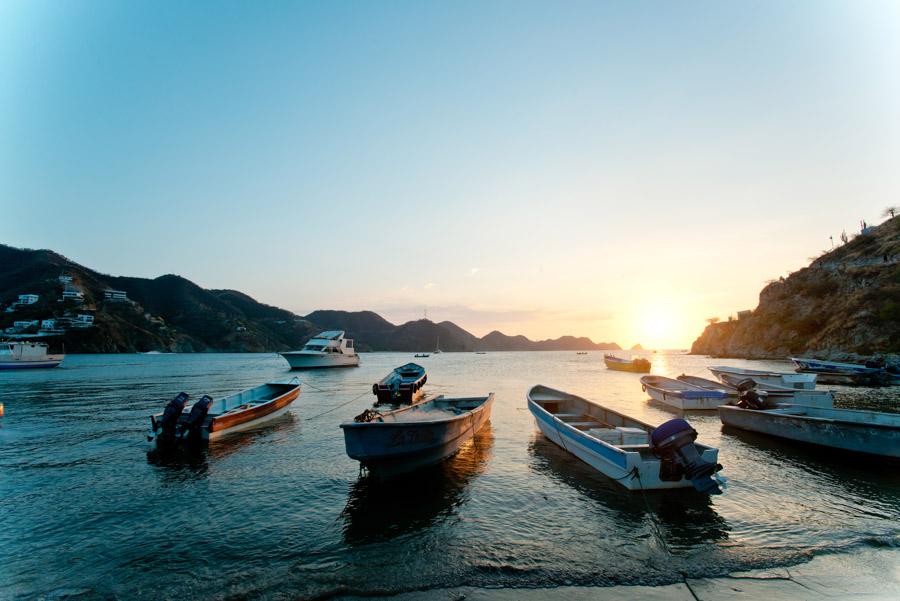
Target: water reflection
[(688, 518), (185, 462), (379, 510)]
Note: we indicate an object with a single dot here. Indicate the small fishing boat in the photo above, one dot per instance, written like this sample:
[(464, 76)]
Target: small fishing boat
[(834, 366), (412, 437), (708, 384), (637, 365), (421, 355), (635, 454), (27, 355), (784, 394), (209, 419), (791, 380), (402, 386), (872, 373), (327, 349), (682, 395), (845, 429)]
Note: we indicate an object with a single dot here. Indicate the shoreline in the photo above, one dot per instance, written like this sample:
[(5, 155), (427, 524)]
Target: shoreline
[(870, 573)]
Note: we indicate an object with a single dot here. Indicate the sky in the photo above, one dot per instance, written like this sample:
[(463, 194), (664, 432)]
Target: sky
[(618, 170)]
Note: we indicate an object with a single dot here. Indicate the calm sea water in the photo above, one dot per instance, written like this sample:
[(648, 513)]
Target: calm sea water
[(281, 512)]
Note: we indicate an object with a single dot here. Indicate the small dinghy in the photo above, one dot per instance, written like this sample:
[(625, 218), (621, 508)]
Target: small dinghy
[(402, 386), (783, 394), (791, 380), (209, 419), (634, 454), (406, 439), (637, 365), (849, 430), (682, 395)]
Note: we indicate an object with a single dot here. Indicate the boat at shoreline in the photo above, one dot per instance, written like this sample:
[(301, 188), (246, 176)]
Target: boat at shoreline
[(406, 439), (778, 394), (852, 374), (326, 349), (403, 386), (209, 419), (635, 454), (16, 354), (638, 365), (868, 432), (683, 395), (790, 380)]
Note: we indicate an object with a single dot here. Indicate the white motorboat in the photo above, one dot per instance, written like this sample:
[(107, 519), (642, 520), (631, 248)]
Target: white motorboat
[(683, 395), (849, 430), (791, 380), (328, 349), (24, 355), (406, 439), (633, 453)]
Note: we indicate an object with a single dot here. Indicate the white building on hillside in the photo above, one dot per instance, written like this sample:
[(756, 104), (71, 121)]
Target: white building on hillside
[(71, 294), (65, 279), (115, 295), (27, 299)]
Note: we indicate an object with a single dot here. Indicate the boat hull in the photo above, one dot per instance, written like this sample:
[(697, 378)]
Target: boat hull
[(30, 364), (696, 403), (798, 381), (301, 360), (391, 448), (869, 438), (629, 366)]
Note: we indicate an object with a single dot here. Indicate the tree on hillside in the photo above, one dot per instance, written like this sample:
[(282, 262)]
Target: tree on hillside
[(891, 212), (712, 320)]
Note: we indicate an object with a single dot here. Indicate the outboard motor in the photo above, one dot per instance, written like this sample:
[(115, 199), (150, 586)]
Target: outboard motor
[(168, 423), (673, 443), (749, 397), (196, 418)]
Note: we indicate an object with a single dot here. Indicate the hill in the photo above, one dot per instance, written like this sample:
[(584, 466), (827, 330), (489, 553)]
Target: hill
[(845, 303), (171, 313)]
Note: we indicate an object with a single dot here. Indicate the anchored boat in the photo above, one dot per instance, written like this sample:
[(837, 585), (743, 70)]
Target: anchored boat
[(682, 395), (633, 453), (849, 430), (637, 365), (783, 394), (209, 419), (406, 439), (791, 380), (328, 349), (402, 386), (23, 355)]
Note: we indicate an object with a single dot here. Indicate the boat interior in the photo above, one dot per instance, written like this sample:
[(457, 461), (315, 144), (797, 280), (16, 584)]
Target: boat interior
[(437, 408), (595, 421)]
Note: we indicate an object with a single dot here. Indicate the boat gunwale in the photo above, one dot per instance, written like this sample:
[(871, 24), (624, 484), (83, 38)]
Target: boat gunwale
[(484, 401), (779, 413)]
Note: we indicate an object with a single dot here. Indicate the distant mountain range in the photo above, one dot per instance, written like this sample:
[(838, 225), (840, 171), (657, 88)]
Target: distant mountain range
[(171, 313)]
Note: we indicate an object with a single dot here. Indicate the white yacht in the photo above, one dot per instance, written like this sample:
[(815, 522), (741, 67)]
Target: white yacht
[(328, 349), (20, 355)]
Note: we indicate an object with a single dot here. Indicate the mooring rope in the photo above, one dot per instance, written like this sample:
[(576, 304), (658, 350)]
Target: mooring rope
[(336, 407)]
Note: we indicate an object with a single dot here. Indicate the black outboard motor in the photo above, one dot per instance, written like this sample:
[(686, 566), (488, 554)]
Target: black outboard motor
[(196, 418), (168, 423), (749, 397), (673, 443)]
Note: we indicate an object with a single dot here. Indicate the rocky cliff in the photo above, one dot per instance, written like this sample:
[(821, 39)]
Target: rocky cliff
[(846, 303)]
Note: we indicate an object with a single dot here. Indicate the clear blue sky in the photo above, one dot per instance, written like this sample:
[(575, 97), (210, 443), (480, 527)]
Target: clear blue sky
[(619, 170)]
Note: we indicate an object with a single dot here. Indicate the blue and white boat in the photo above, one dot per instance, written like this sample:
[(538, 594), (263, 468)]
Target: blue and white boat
[(777, 394), (403, 440), (402, 386), (845, 429), (635, 454), (25, 355), (684, 395), (834, 372), (791, 380)]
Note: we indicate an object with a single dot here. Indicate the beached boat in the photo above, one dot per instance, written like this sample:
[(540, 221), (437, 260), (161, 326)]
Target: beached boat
[(328, 349), (835, 366), (637, 365), (209, 419), (402, 386), (25, 355), (633, 453), (406, 439), (849, 430), (852, 374), (784, 394), (682, 395), (791, 380), (708, 384)]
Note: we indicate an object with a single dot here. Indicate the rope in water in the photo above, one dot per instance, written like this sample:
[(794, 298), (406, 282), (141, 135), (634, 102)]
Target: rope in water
[(336, 407)]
